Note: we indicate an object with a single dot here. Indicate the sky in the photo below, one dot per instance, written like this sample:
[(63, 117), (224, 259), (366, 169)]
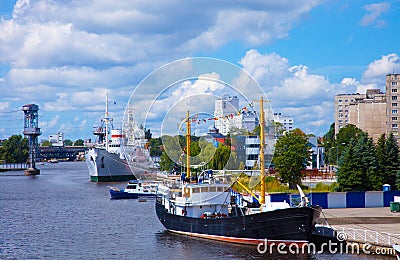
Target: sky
[(66, 55)]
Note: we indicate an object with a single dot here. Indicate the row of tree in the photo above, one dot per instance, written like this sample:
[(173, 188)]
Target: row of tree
[(174, 152), (362, 165), (367, 166), (14, 150), (67, 142)]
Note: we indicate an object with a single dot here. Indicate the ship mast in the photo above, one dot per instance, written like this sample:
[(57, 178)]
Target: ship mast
[(106, 121), (262, 165), (187, 145)]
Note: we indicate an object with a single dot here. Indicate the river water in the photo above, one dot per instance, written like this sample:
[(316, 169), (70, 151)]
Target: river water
[(60, 214)]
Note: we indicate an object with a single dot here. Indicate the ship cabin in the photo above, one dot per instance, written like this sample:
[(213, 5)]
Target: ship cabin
[(201, 200)]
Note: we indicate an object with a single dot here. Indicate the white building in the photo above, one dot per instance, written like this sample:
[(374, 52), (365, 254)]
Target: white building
[(231, 116), (317, 156), (226, 109), (286, 121), (57, 139)]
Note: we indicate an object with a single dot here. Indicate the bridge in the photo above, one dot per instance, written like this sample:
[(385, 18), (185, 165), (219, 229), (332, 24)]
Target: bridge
[(62, 153)]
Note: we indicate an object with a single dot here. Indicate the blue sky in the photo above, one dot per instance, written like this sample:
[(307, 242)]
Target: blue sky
[(65, 55)]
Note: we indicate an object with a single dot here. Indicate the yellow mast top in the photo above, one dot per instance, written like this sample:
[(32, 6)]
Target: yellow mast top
[(187, 145), (262, 164)]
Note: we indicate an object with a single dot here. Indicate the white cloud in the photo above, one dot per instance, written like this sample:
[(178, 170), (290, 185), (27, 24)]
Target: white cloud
[(283, 83), (260, 24), (4, 105), (88, 32), (377, 69), (374, 12), (267, 69), (53, 122), (83, 124), (63, 55), (93, 100)]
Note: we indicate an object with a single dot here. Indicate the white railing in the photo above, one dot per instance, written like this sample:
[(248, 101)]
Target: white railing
[(369, 236)]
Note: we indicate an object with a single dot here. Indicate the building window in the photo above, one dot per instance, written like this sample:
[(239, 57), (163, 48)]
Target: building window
[(394, 126), (394, 104), (394, 97), (346, 101), (340, 100), (394, 118), (394, 111), (394, 83), (394, 89)]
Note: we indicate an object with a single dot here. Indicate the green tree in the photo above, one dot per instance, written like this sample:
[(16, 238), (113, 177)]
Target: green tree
[(147, 134), (155, 146), (343, 138), (68, 142), (220, 158), (350, 175), (46, 143), (15, 149), (328, 142), (172, 152), (292, 155), (359, 167), (347, 133), (392, 161), (367, 161), (78, 142), (381, 154), (398, 180), (166, 164)]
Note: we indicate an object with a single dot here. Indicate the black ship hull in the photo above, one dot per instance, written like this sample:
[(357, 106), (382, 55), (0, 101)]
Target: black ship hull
[(284, 225)]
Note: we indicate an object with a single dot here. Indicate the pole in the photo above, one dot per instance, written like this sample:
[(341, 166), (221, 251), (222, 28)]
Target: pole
[(337, 157), (106, 121), (262, 164), (187, 145)]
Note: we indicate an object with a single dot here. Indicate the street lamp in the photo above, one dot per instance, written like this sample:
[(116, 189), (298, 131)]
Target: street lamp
[(337, 156)]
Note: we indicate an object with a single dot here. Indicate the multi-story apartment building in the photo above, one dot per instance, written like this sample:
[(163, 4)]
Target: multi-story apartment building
[(369, 114), (374, 112), (231, 116), (342, 105), (286, 121), (393, 104), (226, 106)]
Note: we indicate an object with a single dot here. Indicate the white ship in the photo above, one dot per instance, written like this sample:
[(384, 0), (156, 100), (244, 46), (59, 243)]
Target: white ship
[(107, 159)]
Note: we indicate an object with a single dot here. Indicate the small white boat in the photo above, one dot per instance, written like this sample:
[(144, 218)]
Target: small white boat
[(134, 190)]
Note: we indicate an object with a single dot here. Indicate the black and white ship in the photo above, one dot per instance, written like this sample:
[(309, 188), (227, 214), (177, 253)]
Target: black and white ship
[(210, 208)]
